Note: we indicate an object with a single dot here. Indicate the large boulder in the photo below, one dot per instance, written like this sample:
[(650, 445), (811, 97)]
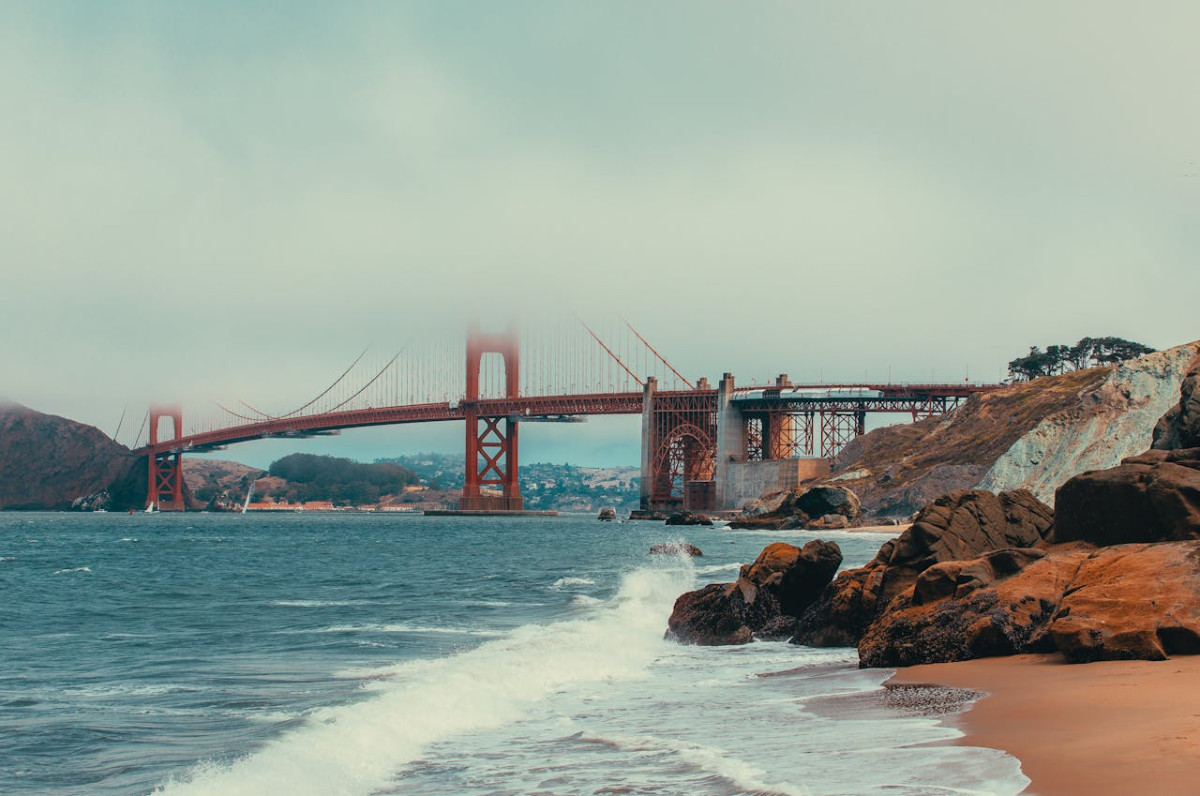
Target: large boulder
[(1113, 603), (1148, 498), (958, 526), (960, 610), (1180, 427), (822, 500), (765, 600)]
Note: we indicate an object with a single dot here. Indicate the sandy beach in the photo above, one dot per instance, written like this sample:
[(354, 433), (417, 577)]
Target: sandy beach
[(1117, 727)]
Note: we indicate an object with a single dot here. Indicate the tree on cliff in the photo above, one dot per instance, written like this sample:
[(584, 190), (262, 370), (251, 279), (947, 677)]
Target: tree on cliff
[(1087, 353)]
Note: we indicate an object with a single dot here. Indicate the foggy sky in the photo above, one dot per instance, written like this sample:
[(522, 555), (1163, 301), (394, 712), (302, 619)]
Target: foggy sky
[(233, 199)]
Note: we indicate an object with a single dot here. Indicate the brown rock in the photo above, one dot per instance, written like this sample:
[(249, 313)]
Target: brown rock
[(959, 526), (1148, 498), (676, 549), (822, 500), (1112, 603), (764, 601), (1132, 602), (960, 610)]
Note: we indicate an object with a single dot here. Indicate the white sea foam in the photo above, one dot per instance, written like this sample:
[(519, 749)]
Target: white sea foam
[(8, 558), (713, 568), (316, 603), (69, 571), (127, 539), (356, 749), (563, 583), (397, 627), (744, 776), (583, 599)]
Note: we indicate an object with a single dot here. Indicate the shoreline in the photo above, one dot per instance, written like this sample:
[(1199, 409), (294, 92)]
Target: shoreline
[(1095, 729)]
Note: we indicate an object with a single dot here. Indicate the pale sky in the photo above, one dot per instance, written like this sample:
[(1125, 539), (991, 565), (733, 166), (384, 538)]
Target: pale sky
[(235, 198)]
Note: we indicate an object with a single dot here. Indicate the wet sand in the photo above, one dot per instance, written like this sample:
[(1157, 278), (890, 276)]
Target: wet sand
[(1110, 728)]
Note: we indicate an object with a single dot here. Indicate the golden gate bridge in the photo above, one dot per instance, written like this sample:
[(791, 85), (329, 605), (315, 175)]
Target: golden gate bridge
[(703, 447)]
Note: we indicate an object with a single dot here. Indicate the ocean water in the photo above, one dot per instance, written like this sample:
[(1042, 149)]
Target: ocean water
[(380, 654)]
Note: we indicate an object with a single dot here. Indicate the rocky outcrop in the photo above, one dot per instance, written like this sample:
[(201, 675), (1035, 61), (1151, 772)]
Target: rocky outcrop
[(1149, 498), (676, 549), (48, 462), (1113, 603), (607, 514), (1030, 435), (959, 526), (764, 602), (803, 508)]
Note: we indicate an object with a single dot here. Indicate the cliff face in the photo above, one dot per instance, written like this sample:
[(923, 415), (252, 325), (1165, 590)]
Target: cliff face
[(1031, 435), (46, 462)]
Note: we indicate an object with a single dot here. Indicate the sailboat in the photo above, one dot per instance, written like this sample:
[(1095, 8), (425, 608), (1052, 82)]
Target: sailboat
[(249, 492), (150, 508)]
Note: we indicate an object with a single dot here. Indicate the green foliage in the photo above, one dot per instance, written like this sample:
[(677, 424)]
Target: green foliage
[(344, 481), (1088, 352)]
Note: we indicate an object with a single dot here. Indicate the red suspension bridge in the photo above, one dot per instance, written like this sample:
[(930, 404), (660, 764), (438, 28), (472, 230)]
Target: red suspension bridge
[(702, 447)]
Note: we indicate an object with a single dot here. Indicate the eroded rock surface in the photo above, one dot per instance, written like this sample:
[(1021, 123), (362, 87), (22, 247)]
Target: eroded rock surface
[(764, 602), (1113, 603), (959, 526)]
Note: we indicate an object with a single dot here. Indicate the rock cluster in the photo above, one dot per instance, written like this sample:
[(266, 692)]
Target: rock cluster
[(764, 602), (819, 507), (961, 525)]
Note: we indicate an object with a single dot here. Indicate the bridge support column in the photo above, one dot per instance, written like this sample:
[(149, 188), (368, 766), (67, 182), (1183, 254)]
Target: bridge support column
[(731, 439), (491, 447), (165, 470)]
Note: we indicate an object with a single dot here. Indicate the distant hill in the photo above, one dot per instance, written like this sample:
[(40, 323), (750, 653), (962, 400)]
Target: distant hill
[(562, 487), (211, 478), (50, 462)]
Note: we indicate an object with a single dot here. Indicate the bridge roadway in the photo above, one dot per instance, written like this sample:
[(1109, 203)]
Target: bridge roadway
[(786, 398), (315, 425)]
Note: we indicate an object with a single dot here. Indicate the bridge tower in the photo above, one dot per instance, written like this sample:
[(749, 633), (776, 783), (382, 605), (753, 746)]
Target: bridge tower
[(165, 469), (491, 439)]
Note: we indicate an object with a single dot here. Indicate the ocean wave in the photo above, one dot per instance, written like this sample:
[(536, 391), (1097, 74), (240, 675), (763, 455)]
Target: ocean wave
[(710, 569), (395, 627), (127, 539), (563, 583), (317, 603), (583, 599), (69, 571), (8, 558), (357, 748), (734, 773)]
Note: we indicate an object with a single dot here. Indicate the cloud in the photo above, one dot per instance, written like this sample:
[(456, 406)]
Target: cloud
[(234, 202)]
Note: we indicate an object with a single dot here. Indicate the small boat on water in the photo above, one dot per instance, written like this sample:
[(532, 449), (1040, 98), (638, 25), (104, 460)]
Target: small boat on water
[(150, 508)]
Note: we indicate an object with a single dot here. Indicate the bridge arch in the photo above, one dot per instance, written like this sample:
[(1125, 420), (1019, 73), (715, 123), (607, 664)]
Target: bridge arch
[(685, 453)]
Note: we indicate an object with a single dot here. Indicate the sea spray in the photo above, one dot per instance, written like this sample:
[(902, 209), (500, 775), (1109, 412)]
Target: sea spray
[(358, 748)]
